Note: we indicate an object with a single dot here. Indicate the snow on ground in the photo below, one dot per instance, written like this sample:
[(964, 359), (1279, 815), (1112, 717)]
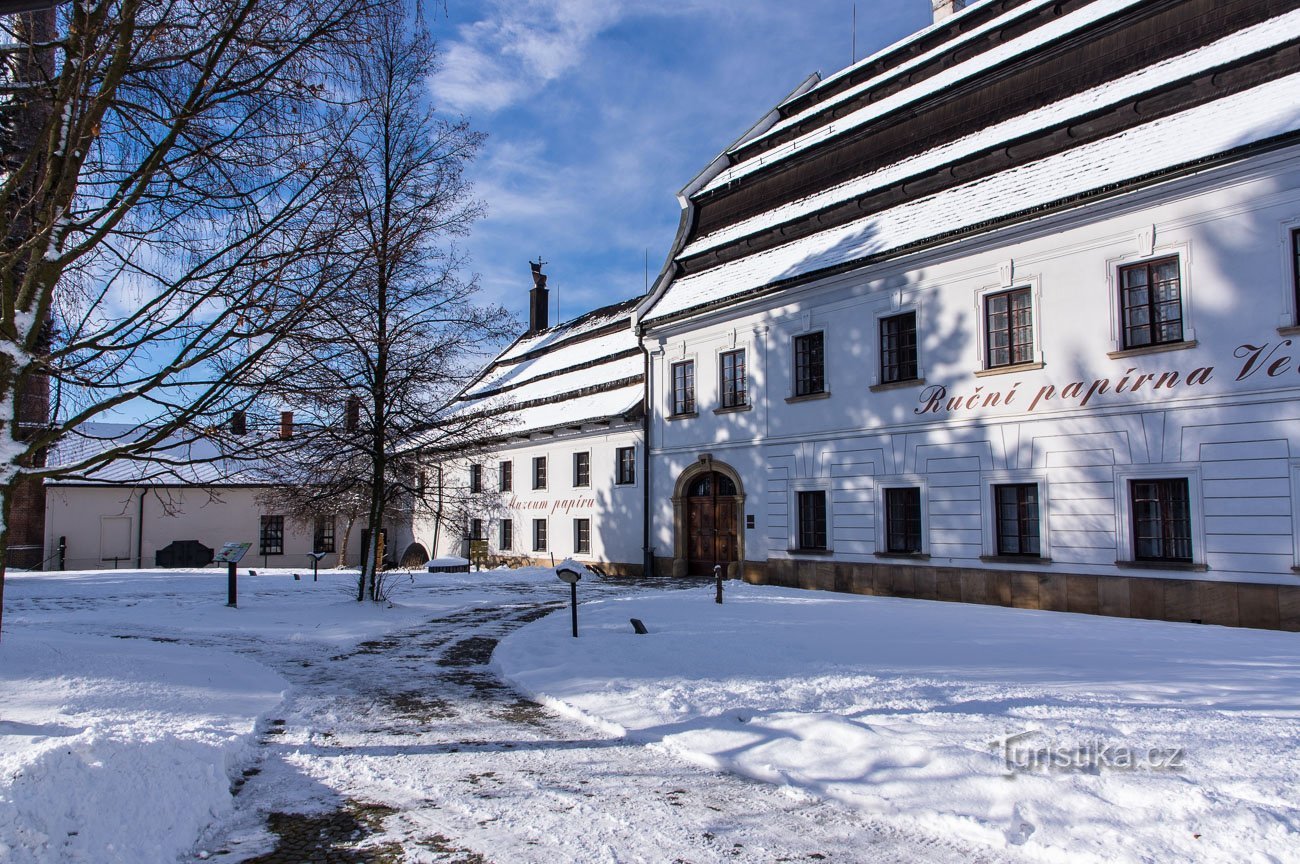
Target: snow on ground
[(1061, 737), (117, 744)]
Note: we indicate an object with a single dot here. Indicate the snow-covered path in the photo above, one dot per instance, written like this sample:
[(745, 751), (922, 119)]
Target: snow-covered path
[(410, 745)]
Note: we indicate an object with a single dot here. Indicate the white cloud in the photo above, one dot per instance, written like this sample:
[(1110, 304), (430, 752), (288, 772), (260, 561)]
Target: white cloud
[(517, 49)]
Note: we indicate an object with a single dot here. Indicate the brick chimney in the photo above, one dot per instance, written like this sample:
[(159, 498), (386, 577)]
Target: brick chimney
[(352, 414), (286, 425), (539, 300), (945, 8)]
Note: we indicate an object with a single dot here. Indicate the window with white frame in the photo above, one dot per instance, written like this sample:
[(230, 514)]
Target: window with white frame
[(582, 536), (1017, 520), (1008, 328), (683, 387), (1151, 303), (898, 352), (581, 469), (1161, 518), (810, 364), (732, 378), (903, 523), (625, 470), (539, 472), (475, 478), (507, 535), (539, 535), (506, 475), (811, 520)]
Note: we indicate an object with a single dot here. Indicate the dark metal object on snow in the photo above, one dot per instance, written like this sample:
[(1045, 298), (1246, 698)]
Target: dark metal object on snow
[(717, 575), (572, 577), (638, 627)]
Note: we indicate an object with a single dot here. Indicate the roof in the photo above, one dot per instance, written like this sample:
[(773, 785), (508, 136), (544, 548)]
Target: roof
[(184, 459), (586, 370), (877, 169)]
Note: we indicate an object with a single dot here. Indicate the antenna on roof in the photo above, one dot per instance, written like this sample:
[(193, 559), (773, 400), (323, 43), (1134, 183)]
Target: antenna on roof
[(647, 269), (855, 35)]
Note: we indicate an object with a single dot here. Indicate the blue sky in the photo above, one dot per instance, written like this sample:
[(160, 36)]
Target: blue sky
[(599, 111)]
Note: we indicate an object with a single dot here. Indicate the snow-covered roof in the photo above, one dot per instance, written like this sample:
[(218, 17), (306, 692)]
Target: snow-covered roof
[(587, 370), (791, 239), (183, 459)]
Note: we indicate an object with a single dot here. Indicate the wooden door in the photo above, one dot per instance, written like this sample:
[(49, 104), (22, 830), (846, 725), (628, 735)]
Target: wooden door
[(711, 524)]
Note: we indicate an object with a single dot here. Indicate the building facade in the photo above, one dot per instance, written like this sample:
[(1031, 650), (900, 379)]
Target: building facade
[(1007, 314), (558, 470)]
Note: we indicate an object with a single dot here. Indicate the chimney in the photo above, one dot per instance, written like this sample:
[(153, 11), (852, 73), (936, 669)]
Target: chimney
[(539, 300), (286, 425), (352, 414), (945, 8), (238, 423)]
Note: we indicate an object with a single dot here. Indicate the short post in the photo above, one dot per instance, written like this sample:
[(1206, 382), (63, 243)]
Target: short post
[(572, 577), (63, 553), (315, 564), (717, 575), (232, 585)]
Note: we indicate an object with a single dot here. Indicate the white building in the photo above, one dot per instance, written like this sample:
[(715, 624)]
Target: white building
[(127, 512), (1005, 313), (561, 476)]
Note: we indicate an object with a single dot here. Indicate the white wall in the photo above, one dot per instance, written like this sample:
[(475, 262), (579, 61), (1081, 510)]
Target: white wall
[(92, 518), (614, 510), (1235, 434)]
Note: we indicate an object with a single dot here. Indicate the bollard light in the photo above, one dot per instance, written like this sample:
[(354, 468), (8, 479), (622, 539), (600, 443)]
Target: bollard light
[(717, 575), (572, 577)]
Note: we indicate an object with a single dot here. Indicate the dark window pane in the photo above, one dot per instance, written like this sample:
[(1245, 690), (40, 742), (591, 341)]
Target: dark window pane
[(898, 348), (539, 535), (476, 478), (581, 469), (1018, 523), (903, 520), (507, 476), (582, 536), (733, 380), (323, 536), (684, 387), (1162, 520), (1151, 303), (272, 536), (812, 520), (539, 472), (507, 535), (809, 364), (1008, 328), (626, 472)]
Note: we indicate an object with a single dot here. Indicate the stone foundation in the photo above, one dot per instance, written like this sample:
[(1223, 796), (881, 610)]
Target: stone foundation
[(1231, 604)]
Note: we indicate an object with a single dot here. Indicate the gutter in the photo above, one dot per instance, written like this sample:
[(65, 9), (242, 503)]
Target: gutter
[(139, 527), (647, 554)]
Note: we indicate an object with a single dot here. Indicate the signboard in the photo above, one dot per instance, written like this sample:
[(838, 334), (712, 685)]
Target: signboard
[(478, 551), (231, 553)]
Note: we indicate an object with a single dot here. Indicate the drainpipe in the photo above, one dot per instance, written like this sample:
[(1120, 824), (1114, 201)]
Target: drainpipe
[(647, 555), (139, 528)]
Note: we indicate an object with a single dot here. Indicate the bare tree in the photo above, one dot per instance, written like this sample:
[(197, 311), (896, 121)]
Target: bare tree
[(407, 330), (170, 193)]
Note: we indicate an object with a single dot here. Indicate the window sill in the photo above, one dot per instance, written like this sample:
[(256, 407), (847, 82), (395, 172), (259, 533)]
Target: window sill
[(809, 397), (685, 416), (911, 556), (1289, 330), (1010, 369), (733, 409), (1032, 560), (1152, 349), (1183, 566), (897, 385), (821, 553)]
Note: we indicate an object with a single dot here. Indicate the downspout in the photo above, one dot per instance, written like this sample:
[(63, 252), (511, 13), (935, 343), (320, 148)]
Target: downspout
[(647, 553), (139, 528)]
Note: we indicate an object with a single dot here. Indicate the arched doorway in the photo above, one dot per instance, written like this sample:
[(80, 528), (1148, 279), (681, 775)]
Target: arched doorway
[(709, 520)]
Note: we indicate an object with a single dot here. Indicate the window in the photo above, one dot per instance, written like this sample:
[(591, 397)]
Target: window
[(734, 390), (1295, 270), (1008, 328), (582, 536), (812, 520), (1151, 304), (898, 348), (272, 535), (809, 364), (626, 469), (506, 472), (476, 529), (582, 469), (507, 535), (475, 478), (684, 387), (903, 520), (539, 472), (1162, 520), (1018, 526), (539, 535), (323, 537)]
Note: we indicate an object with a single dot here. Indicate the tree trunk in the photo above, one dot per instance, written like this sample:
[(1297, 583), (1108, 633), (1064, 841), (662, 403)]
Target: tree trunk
[(343, 543), (6, 501)]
